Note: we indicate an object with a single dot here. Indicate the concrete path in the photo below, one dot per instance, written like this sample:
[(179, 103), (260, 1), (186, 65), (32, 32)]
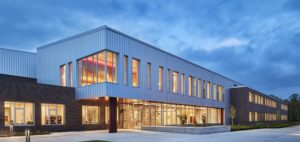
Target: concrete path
[(290, 134)]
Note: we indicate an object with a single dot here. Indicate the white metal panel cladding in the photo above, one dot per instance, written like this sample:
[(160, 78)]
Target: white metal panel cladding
[(51, 56), (17, 63)]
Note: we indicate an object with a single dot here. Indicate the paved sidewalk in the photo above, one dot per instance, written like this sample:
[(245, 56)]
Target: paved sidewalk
[(290, 134)]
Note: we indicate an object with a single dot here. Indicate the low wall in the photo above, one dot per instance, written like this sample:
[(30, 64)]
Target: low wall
[(188, 130)]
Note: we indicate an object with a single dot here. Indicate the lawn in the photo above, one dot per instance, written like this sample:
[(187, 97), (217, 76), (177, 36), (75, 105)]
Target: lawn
[(263, 125), (96, 141)]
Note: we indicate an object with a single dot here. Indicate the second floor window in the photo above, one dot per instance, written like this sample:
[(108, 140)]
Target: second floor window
[(62, 73), (135, 72), (160, 78), (175, 82), (92, 69)]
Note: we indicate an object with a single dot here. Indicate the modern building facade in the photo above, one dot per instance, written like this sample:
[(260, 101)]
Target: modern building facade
[(255, 107), (103, 79)]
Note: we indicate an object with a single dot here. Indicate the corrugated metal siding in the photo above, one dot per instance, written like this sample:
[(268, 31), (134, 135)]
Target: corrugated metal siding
[(54, 55), (17, 63)]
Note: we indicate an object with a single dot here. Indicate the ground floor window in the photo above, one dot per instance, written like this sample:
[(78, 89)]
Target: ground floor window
[(18, 113), (52, 114), (90, 114)]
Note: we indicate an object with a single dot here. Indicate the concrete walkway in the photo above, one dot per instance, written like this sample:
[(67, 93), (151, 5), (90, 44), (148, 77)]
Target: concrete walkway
[(290, 134)]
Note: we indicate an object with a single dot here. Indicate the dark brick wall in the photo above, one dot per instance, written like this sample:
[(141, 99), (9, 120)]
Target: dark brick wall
[(21, 89), (240, 100)]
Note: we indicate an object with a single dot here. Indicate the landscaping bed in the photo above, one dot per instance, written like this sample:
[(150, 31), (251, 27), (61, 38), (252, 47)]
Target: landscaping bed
[(263, 125)]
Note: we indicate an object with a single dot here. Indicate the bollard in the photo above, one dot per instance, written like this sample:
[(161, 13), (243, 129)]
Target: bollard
[(11, 130), (27, 135)]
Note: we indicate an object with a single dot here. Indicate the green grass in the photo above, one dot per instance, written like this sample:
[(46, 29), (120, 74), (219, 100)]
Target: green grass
[(263, 125)]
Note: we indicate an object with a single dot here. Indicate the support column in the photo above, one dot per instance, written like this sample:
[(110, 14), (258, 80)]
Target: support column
[(112, 115)]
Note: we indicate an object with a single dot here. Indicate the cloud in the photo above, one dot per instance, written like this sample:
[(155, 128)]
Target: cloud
[(252, 42)]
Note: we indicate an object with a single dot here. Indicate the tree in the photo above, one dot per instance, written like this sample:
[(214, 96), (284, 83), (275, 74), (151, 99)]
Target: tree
[(294, 107), (232, 114)]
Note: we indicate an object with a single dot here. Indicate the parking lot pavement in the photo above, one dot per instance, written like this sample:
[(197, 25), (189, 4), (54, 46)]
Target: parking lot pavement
[(290, 134)]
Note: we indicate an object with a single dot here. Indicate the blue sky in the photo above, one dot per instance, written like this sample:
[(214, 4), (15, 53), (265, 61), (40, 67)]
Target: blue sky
[(256, 42)]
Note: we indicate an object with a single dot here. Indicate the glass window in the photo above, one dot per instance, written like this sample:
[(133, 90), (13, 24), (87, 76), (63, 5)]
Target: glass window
[(52, 114), (215, 92), (125, 70), (208, 90), (111, 65), (90, 114), (175, 82), (190, 79), (160, 78), (18, 113), (194, 86), (204, 89), (106, 115), (169, 80), (101, 67), (62, 74), (70, 74), (199, 88), (91, 69), (182, 88), (135, 72), (221, 92), (149, 75)]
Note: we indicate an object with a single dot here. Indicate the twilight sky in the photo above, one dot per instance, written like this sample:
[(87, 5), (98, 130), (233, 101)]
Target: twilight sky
[(255, 42)]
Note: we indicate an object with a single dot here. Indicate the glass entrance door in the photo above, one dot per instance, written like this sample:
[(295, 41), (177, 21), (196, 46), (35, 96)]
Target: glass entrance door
[(19, 114)]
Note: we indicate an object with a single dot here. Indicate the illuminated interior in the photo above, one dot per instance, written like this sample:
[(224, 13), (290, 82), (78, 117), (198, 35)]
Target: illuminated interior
[(135, 72), (91, 69), (90, 114), (18, 113), (52, 114)]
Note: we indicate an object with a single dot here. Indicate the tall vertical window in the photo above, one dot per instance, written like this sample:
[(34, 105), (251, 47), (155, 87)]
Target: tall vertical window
[(221, 93), (125, 70), (90, 114), (62, 74), (18, 113), (52, 114), (106, 121), (70, 74), (199, 88), (91, 69), (149, 75), (204, 89), (135, 72), (208, 90), (111, 65), (175, 82), (194, 86), (160, 78), (214, 91), (169, 80), (190, 79), (182, 87)]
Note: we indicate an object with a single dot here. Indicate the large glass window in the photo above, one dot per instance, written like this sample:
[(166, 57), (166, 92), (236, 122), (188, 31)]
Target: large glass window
[(18, 113), (135, 72), (125, 70), (91, 69), (194, 86), (182, 85), (149, 75), (52, 114), (70, 74), (62, 74), (160, 78), (90, 114), (175, 82)]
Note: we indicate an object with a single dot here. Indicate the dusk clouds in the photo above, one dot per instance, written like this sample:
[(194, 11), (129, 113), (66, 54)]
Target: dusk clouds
[(254, 42)]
